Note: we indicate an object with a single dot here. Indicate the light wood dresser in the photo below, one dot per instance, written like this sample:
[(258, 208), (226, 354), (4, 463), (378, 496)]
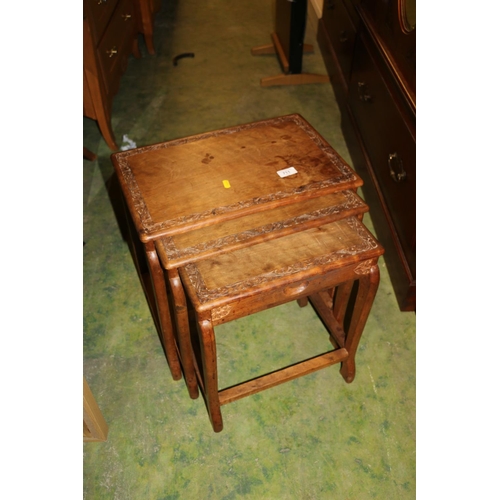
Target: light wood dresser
[(110, 30)]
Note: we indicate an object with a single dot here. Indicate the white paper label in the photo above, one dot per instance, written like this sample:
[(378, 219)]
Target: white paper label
[(287, 171)]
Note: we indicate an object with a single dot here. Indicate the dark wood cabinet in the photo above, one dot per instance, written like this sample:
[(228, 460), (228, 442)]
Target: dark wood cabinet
[(342, 35), (370, 57)]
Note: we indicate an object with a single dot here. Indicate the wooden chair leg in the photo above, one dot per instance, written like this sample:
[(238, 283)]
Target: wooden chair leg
[(209, 371), (368, 285), (165, 320), (183, 332)]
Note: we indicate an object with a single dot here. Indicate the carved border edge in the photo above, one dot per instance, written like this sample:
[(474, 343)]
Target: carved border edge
[(168, 243), (143, 212), (365, 266), (367, 243)]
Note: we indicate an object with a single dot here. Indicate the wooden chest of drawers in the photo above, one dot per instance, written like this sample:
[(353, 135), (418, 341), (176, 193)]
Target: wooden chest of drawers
[(110, 30), (342, 35), (370, 58), (389, 140)]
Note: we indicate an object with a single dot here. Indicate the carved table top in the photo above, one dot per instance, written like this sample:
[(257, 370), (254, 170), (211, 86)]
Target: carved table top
[(198, 181), (191, 246), (300, 255)]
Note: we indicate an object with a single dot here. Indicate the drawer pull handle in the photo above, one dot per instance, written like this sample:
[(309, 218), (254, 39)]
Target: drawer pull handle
[(363, 96), (295, 289), (343, 37), (112, 52), (396, 169), (126, 17), (100, 2)]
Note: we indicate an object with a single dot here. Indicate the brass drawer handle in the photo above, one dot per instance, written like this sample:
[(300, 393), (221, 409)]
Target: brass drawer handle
[(295, 289), (363, 96), (100, 2), (112, 52), (396, 168), (126, 17), (343, 37)]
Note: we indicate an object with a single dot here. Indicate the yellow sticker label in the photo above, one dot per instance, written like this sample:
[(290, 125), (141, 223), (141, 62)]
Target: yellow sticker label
[(226, 184)]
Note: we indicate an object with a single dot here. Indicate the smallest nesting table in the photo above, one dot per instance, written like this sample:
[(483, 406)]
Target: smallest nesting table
[(334, 266)]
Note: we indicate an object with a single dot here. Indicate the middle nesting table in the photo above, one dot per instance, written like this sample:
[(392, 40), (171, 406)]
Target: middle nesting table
[(223, 190)]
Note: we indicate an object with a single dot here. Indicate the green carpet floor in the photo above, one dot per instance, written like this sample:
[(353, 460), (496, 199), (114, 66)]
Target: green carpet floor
[(312, 438)]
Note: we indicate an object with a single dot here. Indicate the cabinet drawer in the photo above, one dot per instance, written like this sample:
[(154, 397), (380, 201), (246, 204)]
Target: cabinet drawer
[(99, 12), (389, 139), (116, 44), (341, 33), (400, 46)]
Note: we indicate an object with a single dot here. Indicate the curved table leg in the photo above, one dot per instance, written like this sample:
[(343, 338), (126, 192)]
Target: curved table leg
[(302, 301), (183, 332), (341, 299), (368, 285), (104, 123), (162, 306), (209, 371)]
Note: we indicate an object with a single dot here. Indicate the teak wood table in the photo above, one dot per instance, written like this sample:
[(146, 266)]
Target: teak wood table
[(197, 245), (224, 179), (311, 263)]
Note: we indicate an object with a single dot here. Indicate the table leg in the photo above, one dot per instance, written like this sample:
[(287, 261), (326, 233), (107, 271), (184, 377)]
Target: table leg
[(161, 298), (368, 285), (183, 331), (209, 370), (302, 301), (341, 299)]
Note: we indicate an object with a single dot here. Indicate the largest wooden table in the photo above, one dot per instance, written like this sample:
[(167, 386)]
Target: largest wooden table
[(228, 178)]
